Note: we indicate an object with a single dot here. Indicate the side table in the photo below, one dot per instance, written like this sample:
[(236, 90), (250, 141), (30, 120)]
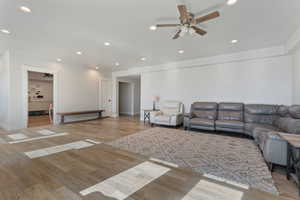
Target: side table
[(293, 157)]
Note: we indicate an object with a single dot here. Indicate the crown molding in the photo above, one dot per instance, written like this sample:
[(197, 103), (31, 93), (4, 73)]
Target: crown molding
[(201, 62)]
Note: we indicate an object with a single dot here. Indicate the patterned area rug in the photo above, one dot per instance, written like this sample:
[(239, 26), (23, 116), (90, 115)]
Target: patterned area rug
[(236, 159)]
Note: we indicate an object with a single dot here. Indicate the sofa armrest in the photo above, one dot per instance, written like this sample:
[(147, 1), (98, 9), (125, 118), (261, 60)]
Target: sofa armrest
[(275, 135), (155, 113), (188, 115), (275, 150)]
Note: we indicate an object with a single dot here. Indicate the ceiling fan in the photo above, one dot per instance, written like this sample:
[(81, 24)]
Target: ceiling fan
[(188, 22)]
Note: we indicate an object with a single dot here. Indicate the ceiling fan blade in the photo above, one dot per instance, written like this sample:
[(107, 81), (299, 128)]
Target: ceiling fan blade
[(199, 30), (184, 15), (177, 35), (207, 17), (167, 25)]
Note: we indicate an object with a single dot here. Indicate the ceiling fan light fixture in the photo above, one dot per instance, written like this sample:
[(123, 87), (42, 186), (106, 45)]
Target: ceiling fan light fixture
[(5, 31), (25, 9), (58, 59), (234, 41), (153, 27), (181, 34), (231, 2), (181, 51), (184, 29), (192, 31)]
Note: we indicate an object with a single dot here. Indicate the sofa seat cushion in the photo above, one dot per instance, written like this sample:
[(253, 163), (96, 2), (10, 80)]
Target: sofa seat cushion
[(249, 127), (230, 124), (163, 118), (202, 122)]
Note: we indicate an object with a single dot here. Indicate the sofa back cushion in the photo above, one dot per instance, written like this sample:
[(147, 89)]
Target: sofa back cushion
[(290, 122), (204, 110), (288, 125), (261, 114), (231, 111), (283, 111), (171, 107), (295, 111)]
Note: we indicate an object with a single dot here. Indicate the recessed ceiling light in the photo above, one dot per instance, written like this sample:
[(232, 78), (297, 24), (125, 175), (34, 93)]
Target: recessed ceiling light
[(153, 28), (5, 31), (106, 43), (181, 51), (117, 64), (231, 2), (58, 59), (234, 41), (143, 59), (79, 53), (25, 9)]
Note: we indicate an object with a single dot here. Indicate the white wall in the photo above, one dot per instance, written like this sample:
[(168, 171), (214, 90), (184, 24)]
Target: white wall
[(125, 98), (77, 87), (296, 77), (4, 90), (256, 76), (256, 81)]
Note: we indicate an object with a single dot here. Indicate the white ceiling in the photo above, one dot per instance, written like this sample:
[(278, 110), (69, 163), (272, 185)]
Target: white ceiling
[(59, 28)]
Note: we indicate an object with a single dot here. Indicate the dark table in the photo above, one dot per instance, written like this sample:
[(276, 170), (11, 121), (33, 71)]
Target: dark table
[(293, 157)]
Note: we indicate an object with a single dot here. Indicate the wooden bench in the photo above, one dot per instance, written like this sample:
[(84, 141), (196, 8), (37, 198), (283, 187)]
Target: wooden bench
[(62, 119)]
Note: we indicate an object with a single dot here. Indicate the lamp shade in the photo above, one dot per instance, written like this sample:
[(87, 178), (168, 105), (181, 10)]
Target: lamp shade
[(156, 98)]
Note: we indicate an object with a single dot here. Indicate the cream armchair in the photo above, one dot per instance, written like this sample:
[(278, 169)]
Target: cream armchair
[(170, 114)]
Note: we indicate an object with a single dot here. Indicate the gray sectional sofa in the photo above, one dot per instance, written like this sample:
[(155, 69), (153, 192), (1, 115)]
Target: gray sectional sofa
[(258, 121)]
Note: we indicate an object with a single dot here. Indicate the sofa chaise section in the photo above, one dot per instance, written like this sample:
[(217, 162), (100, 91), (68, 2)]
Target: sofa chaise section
[(274, 148)]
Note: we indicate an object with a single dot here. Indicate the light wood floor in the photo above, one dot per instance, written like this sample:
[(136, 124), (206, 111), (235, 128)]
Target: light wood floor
[(63, 175), (35, 121)]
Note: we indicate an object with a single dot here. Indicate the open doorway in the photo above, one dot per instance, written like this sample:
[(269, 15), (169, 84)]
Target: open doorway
[(129, 95), (40, 99)]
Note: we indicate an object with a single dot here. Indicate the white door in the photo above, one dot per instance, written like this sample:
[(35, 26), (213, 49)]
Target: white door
[(106, 97)]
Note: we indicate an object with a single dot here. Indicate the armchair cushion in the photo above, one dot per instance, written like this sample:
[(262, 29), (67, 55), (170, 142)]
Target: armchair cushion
[(171, 107), (163, 118)]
